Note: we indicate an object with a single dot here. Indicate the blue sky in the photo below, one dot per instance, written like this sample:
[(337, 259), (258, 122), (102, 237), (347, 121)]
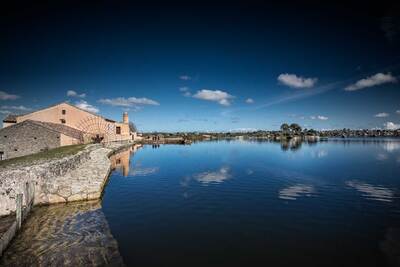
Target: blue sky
[(206, 66)]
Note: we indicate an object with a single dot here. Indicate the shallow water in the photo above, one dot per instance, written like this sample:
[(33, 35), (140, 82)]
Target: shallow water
[(242, 203), (75, 234)]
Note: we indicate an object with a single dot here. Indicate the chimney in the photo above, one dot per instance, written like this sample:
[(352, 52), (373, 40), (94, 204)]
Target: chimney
[(125, 118)]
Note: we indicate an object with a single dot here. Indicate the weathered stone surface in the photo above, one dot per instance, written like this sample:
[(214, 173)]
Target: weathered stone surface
[(76, 177), (26, 138)]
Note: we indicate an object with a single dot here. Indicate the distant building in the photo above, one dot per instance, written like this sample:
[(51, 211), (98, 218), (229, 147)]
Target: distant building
[(58, 125)]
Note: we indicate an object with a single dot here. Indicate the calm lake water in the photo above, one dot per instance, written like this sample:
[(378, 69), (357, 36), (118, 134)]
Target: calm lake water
[(334, 203)]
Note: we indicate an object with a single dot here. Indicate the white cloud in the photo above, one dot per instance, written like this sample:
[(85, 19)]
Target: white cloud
[(323, 118), (185, 77), (398, 111), (295, 191), (86, 106), (295, 81), (369, 191), (391, 125), (128, 102), (319, 117), (19, 108), (72, 93), (5, 112), (249, 101), (213, 177), (381, 115), (186, 91), (7, 96), (243, 130), (377, 79), (223, 98)]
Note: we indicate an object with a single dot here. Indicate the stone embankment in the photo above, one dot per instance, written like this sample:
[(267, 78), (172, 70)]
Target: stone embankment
[(81, 176)]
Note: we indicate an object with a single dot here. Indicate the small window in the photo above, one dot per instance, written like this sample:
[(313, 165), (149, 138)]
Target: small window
[(63, 112), (62, 121), (118, 130), (15, 149)]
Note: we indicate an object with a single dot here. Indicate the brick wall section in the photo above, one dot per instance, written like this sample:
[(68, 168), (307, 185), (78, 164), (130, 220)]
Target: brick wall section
[(26, 138)]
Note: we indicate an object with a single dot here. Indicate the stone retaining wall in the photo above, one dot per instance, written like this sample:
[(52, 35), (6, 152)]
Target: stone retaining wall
[(77, 177)]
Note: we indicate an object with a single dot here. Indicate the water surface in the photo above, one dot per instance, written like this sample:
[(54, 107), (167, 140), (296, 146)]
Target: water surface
[(243, 203)]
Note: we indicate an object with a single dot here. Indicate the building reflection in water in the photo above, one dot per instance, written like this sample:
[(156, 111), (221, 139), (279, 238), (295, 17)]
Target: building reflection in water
[(121, 160), (73, 234)]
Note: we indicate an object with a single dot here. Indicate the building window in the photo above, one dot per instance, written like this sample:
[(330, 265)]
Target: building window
[(118, 130), (2, 155), (62, 121), (63, 112)]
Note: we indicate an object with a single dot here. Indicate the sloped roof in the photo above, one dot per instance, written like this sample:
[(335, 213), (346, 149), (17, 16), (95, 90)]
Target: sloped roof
[(60, 128), (55, 127), (13, 117)]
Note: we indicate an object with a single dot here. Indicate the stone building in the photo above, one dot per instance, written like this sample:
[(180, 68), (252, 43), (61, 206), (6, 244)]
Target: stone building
[(30, 137), (58, 125)]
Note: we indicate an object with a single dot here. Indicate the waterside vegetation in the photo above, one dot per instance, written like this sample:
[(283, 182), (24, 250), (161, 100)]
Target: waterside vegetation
[(286, 132)]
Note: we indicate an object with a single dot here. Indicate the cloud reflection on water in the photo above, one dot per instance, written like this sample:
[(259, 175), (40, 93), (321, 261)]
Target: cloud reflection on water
[(391, 146), (295, 191), (369, 191), (140, 171), (208, 177), (381, 157), (319, 153), (218, 176)]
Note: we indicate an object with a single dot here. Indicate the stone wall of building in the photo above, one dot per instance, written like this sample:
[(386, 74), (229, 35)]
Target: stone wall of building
[(26, 138), (74, 117)]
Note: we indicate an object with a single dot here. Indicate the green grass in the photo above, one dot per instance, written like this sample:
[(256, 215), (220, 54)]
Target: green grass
[(58, 152)]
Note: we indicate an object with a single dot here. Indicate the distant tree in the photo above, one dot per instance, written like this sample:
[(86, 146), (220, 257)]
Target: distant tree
[(311, 132), (285, 127), (294, 127), (132, 127)]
